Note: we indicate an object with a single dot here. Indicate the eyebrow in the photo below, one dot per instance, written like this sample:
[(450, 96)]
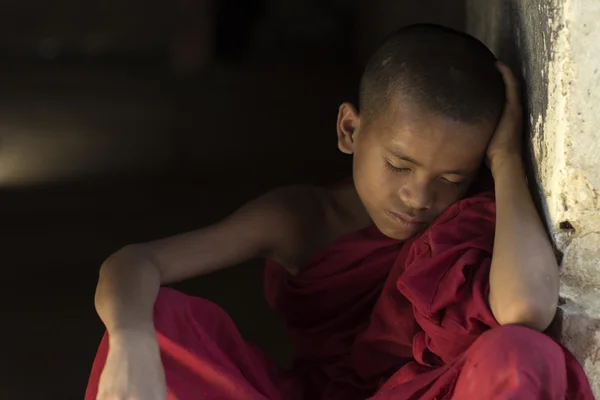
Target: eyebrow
[(400, 156)]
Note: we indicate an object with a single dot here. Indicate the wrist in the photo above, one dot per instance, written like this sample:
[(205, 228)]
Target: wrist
[(124, 337), (506, 164)]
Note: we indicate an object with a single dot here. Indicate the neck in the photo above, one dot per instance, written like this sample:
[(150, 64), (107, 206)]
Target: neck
[(352, 213)]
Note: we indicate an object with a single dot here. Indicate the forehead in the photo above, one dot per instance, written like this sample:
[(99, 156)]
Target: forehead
[(430, 138)]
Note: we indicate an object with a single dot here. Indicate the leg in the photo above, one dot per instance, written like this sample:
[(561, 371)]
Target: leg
[(513, 362), (203, 352)]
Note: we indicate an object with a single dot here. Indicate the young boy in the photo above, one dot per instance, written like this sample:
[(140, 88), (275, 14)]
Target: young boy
[(387, 283)]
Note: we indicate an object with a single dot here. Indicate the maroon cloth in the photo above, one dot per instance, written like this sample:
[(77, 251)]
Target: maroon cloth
[(505, 363), (372, 318), (371, 315), (204, 356)]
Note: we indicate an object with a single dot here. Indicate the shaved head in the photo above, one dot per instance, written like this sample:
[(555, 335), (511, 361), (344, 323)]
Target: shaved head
[(440, 70)]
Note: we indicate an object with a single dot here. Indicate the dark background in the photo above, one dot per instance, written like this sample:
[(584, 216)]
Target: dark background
[(125, 121)]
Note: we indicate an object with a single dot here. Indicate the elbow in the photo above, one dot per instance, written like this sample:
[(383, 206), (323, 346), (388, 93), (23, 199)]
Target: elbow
[(119, 258), (536, 315), (130, 256)]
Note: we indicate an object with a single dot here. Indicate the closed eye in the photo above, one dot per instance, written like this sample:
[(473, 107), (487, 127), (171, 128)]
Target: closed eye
[(445, 180), (393, 168)]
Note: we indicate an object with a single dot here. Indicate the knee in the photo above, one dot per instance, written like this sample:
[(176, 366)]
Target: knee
[(173, 310), (512, 362), (512, 335), (514, 341)]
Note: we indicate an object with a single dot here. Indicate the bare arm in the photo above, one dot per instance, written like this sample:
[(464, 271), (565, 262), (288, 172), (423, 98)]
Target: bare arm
[(524, 272), (283, 224)]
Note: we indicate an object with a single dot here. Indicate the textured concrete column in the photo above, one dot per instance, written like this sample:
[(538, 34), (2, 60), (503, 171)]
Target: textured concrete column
[(556, 46)]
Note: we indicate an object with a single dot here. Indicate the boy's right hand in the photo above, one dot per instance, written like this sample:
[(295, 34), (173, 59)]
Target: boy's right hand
[(133, 369)]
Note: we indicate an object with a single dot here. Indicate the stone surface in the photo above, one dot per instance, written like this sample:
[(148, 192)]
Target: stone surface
[(554, 45)]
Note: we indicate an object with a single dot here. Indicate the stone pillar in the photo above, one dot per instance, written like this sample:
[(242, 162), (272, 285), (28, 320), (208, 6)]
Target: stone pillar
[(555, 46)]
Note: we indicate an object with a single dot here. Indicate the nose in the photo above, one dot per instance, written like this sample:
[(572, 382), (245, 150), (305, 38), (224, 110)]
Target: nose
[(417, 194)]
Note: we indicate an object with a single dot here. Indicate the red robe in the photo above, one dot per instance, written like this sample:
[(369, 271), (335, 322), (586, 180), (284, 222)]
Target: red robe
[(372, 318)]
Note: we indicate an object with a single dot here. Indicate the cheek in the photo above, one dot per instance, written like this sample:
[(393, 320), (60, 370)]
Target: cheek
[(446, 196), (373, 182)]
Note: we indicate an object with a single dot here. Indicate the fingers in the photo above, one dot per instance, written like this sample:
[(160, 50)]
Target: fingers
[(511, 83)]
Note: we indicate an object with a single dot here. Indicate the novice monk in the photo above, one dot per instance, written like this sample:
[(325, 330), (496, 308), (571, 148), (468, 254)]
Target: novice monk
[(395, 285)]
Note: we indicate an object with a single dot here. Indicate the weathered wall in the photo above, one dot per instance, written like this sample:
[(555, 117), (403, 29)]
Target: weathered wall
[(555, 45)]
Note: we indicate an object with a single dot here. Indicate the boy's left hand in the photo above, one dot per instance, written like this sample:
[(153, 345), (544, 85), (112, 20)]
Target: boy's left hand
[(506, 142)]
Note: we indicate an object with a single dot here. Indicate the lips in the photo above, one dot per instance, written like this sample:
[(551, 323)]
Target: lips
[(406, 218)]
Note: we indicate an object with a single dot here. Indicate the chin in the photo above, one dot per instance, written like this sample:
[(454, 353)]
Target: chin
[(396, 232), (397, 229)]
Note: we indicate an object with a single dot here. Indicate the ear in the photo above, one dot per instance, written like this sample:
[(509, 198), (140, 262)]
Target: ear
[(348, 123)]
